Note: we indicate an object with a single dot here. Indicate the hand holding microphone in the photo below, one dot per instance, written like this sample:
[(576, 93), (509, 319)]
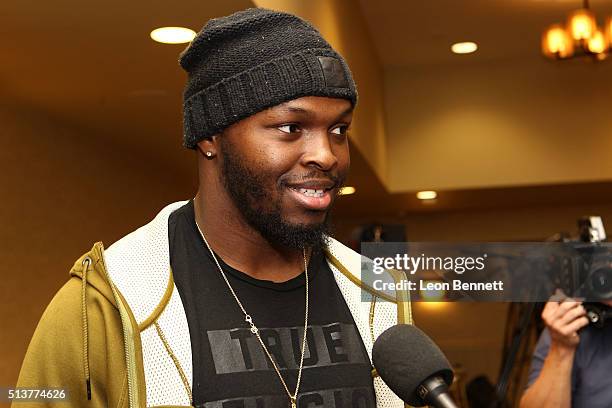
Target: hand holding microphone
[(413, 366)]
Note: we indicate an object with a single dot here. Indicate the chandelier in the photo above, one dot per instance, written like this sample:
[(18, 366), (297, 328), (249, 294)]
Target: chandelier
[(580, 36)]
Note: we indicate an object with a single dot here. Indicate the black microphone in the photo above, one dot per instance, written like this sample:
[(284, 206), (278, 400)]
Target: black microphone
[(413, 367)]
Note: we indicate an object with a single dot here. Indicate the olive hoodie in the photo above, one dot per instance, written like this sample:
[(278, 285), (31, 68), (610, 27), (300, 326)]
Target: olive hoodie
[(116, 334)]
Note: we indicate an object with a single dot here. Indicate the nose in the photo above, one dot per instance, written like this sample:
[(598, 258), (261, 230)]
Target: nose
[(319, 152)]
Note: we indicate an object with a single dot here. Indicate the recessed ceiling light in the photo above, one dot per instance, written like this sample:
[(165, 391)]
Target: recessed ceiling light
[(172, 35), (464, 47), (348, 190), (426, 195)]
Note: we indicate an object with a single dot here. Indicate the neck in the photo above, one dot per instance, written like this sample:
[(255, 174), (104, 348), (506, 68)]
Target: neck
[(238, 244)]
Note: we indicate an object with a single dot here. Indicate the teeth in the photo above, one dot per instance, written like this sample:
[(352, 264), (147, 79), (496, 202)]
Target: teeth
[(311, 192)]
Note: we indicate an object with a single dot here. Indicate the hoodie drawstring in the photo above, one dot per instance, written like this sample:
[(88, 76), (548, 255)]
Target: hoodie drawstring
[(86, 263)]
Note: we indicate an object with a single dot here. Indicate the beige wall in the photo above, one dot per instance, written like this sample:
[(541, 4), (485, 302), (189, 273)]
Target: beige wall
[(63, 188), (498, 123), (343, 26)]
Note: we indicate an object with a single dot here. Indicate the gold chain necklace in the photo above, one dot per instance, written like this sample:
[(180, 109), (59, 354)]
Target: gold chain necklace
[(255, 330)]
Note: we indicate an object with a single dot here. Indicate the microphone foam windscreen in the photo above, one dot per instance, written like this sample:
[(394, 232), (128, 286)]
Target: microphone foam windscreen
[(404, 357)]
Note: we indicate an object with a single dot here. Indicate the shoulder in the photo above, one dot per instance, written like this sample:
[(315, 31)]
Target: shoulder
[(55, 354), (359, 270), (343, 254), (139, 264), (62, 320), (154, 232)]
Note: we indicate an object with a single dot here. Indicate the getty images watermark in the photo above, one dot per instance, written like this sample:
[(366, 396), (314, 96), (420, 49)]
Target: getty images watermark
[(411, 265), (500, 271)]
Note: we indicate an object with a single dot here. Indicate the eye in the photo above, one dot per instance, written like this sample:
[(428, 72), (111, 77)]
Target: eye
[(290, 128), (340, 130)]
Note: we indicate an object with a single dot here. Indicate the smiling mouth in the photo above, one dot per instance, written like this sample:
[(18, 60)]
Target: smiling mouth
[(317, 198), (311, 192)]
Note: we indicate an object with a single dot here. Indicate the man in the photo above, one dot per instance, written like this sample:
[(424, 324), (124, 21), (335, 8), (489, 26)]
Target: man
[(572, 361), (207, 304)]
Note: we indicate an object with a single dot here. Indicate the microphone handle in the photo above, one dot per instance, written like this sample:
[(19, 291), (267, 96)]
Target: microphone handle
[(434, 392)]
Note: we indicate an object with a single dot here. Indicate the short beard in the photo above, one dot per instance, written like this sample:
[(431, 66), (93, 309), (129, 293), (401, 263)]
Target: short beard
[(248, 192)]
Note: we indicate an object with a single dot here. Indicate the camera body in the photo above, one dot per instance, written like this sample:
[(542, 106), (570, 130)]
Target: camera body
[(598, 314), (586, 271)]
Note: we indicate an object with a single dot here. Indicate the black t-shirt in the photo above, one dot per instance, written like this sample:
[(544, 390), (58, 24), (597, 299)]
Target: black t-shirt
[(230, 368)]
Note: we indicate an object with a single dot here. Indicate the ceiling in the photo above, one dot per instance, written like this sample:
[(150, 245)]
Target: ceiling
[(409, 33), (93, 65)]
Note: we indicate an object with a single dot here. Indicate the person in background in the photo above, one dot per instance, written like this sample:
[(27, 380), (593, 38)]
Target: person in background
[(572, 360)]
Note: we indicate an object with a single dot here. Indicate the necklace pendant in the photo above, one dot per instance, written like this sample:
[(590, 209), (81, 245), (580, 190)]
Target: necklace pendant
[(293, 403)]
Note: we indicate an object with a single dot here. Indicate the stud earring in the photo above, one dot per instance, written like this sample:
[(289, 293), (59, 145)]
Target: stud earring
[(208, 154)]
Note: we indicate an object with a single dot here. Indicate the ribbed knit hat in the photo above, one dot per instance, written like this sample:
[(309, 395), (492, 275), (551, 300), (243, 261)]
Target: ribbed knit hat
[(252, 60)]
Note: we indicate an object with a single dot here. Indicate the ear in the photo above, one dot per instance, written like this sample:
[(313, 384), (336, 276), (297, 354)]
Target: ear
[(208, 147)]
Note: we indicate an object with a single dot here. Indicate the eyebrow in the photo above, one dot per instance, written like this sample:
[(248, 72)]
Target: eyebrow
[(309, 113)]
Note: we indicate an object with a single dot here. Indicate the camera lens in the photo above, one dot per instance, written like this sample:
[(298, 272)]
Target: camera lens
[(600, 283)]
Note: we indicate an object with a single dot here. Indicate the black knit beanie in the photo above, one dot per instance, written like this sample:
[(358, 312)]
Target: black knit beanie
[(251, 60)]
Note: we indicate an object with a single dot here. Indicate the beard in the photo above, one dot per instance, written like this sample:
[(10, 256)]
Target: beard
[(250, 193)]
